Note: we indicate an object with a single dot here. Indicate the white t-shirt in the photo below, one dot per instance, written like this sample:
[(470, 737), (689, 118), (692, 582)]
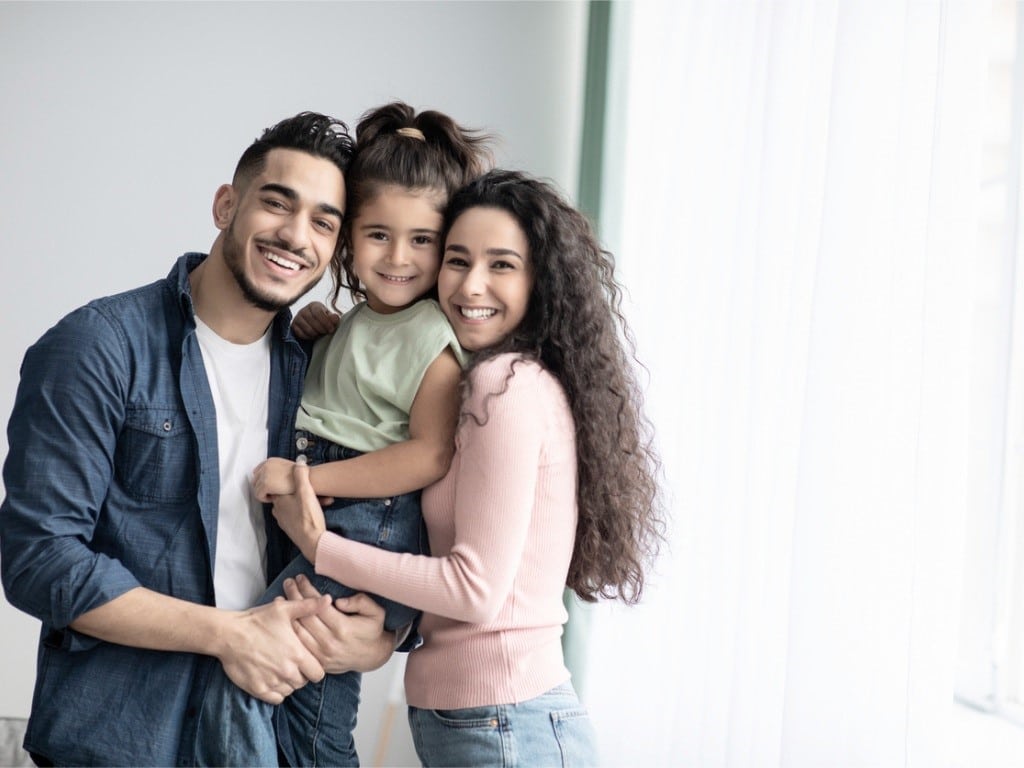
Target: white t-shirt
[(239, 377)]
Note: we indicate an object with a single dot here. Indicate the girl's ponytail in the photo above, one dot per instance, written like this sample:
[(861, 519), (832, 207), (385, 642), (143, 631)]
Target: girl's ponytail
[(395, 146)]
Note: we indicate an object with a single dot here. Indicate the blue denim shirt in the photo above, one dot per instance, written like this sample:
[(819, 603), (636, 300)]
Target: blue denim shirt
[(112, 483)]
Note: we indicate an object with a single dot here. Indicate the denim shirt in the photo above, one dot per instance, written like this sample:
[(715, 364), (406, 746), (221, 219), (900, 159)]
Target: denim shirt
[(112, 483)]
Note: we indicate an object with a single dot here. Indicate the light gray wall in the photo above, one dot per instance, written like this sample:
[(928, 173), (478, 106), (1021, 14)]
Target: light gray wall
[(119, 120)]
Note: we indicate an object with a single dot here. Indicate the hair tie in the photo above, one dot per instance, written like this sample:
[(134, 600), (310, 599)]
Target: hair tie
[(412, 133)]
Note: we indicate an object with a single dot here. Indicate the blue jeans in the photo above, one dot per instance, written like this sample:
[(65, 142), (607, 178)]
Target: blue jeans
[(552, 729), (314, 725)]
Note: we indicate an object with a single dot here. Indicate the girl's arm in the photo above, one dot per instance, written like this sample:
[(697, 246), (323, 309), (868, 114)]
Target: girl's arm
[(399, 468), (496, 483), (313, 321)]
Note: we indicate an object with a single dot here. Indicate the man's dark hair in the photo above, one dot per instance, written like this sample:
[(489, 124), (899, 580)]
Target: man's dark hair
[(310, 132)]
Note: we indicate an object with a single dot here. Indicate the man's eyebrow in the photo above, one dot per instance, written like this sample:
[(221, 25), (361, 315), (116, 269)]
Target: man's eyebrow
[(290, 194), (280, 189), (330, 210)]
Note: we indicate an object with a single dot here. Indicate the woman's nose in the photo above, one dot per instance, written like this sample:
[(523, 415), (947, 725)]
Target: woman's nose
[(475, 282)]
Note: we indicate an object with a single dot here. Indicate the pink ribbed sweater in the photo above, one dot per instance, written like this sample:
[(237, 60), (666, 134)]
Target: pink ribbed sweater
[(501, 525)]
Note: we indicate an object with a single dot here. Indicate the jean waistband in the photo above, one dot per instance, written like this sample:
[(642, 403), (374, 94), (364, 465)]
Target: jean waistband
[(318, 450)]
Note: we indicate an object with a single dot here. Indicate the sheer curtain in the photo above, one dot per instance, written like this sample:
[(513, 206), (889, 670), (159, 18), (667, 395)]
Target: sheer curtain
[(791, 190)]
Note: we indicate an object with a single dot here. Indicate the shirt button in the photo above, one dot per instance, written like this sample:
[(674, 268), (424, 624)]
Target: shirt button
[(301, 443), (167, 425)]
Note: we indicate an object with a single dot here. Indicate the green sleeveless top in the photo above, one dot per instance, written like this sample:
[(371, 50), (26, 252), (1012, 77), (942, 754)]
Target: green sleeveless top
[(363, 378)]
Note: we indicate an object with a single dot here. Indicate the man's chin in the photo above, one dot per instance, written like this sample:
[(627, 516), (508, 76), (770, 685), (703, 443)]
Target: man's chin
[(272, 302)]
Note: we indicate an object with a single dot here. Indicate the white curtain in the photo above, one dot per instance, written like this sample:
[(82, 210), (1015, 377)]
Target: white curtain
[(792, 193)]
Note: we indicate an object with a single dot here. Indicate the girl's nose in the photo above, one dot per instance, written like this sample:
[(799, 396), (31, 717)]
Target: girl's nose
[(398, 253)]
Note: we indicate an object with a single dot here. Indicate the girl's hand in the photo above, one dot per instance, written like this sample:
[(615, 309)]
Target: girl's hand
[(299, 513), (314, 320), (273, 478)]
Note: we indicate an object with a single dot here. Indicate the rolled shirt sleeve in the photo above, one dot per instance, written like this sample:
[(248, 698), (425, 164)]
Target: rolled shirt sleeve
[(62, 435)]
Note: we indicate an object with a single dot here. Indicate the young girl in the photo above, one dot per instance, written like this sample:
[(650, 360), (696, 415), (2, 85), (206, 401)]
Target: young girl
[(552, 484), (378, 412)]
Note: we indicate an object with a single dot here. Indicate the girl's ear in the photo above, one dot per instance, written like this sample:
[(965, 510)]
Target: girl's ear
[(224, 206)]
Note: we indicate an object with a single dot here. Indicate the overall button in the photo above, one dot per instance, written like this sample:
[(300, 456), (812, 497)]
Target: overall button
[(302, 443)]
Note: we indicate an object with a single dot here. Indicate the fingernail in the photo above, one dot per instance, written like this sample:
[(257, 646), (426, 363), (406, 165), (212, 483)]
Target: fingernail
[(289, 582)]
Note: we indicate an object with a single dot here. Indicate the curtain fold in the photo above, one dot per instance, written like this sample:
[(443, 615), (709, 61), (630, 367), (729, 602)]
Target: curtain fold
[(796, 187)]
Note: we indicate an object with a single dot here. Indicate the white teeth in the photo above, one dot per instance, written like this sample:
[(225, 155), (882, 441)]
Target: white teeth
[(395, 278), (281, 261), (474, 313)]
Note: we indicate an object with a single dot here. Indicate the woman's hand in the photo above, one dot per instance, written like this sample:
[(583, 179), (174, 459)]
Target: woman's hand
[(348, 635), (273, 477), (313, 321), (299, 514)]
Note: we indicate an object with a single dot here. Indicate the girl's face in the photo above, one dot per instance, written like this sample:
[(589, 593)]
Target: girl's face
[(486, 277), (396, 246)]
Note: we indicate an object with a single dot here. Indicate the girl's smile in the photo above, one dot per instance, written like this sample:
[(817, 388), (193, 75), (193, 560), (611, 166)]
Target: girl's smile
[(396, 249)]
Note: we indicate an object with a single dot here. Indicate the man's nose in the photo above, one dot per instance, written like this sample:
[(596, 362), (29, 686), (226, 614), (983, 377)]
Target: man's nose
[(295, 231)]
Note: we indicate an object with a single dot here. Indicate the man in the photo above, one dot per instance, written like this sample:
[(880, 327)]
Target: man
[(128, 528)]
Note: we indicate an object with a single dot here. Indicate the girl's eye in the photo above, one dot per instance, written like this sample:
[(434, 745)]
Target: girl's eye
[(455, 261), (377, 235), (503, 265), (423, 240)]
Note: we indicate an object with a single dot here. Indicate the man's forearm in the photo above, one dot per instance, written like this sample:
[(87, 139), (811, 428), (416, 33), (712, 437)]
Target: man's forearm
[(142, 618), (258, 648)]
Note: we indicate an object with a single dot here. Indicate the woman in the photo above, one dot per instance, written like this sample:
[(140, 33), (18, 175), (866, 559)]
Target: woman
[(552, 484)]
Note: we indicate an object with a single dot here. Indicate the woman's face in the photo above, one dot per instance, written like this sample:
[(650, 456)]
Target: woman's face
[(486, 277)]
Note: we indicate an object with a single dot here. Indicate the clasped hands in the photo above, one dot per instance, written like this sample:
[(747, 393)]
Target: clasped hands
[(274, 649), (311, 634)]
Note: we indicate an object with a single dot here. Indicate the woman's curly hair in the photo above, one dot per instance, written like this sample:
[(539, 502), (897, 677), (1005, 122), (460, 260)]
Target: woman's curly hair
[(575, 328)]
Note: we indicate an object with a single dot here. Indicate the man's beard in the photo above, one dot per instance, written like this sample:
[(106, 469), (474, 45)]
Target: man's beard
[(233, 257)]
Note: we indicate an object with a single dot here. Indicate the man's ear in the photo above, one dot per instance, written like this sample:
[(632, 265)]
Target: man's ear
[(224, 206)]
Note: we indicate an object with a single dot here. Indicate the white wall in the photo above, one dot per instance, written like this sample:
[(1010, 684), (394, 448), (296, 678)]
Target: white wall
[(119, 120)]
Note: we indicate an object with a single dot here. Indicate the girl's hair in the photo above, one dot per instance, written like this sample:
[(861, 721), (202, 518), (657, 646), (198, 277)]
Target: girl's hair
[(574, 327), (426, 152)]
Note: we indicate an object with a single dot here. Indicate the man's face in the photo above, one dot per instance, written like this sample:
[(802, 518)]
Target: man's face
[(281, 228)]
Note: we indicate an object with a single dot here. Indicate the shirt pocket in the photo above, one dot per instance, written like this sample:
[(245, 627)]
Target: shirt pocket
[(156, 455)]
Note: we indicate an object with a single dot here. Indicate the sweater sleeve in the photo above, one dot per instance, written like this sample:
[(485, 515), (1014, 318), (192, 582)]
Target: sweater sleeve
[(495, 481)]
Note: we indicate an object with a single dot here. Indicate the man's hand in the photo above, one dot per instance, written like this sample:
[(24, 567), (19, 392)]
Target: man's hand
[(263, 653), (258, 648), (348, 635), (313, 321)]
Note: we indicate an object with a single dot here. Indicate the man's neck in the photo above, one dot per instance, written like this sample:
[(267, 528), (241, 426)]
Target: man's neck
[(220, 303)]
